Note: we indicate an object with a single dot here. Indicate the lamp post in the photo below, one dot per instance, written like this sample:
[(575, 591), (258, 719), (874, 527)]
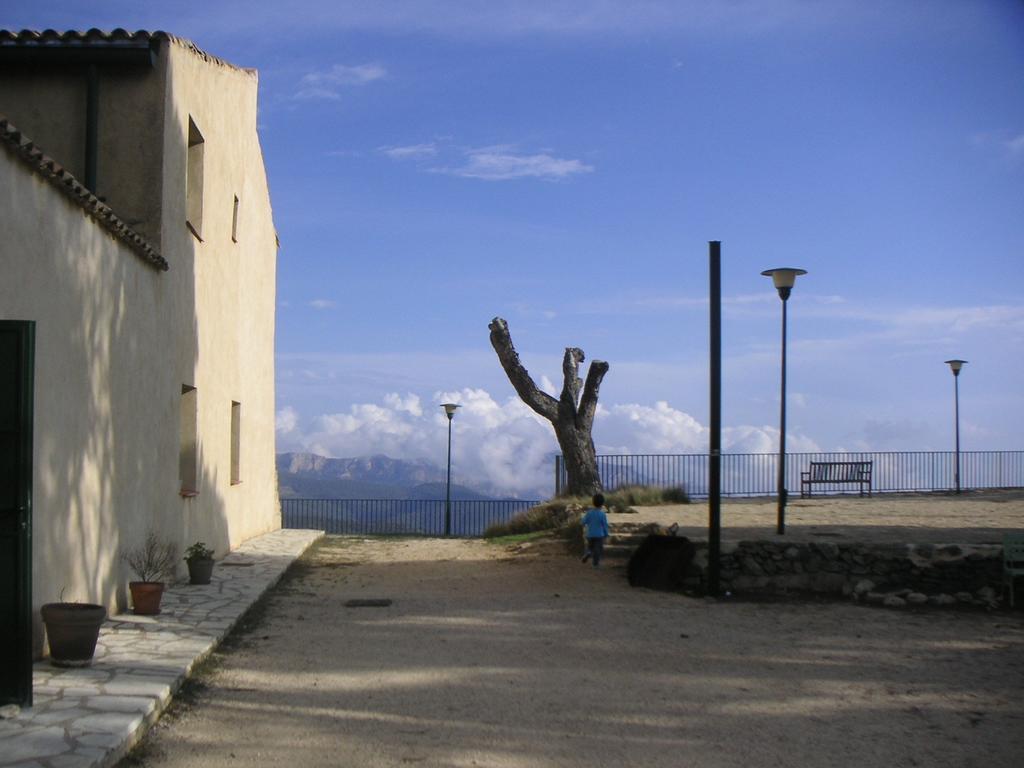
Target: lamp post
[(449, 410), (783, 279), (955, 366)]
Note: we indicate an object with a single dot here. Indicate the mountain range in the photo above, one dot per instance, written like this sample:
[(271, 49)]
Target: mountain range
[(310, 476)]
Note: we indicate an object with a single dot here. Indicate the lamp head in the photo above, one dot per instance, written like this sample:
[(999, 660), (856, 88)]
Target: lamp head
[(449, 409), (783, 278), (955, 366)]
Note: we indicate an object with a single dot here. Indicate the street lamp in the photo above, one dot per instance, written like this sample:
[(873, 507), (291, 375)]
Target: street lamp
[(449, 410), (783, 278), (955, 366)]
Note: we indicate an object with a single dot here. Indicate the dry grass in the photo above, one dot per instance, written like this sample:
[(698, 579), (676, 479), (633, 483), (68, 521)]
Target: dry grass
[(563, 513)]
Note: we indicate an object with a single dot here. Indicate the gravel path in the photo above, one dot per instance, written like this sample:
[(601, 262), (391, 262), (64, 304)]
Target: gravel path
[(524, 657)]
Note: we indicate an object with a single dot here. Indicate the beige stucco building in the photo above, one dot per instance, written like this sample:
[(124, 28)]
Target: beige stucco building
[(137, 235)]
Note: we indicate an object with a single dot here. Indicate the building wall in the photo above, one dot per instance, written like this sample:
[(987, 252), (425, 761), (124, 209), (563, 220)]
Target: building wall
[(101, 433), (49, 104), (116, 339), (232, 284)]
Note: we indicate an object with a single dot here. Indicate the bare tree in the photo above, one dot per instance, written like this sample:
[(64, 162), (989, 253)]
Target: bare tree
[(572, 414)]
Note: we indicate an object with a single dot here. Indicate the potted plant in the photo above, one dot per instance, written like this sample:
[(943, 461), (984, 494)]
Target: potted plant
[(199, 558), (72, 630), (152, 561)]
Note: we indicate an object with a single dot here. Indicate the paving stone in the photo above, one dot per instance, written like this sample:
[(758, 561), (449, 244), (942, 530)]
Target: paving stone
[(120, 703), (140, 687), (110, 740), (70, 760), (86, 717), (33, 744), (54, 716), (81, 691)]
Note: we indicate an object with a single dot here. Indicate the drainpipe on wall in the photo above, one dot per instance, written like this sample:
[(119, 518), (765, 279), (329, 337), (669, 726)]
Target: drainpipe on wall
[(92, 113)]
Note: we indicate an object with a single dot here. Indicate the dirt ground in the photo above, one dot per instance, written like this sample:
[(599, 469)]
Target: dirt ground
[(974, 517), (523, 656)]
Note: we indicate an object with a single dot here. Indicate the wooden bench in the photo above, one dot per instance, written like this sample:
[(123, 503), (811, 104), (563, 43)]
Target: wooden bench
[(826, 472)]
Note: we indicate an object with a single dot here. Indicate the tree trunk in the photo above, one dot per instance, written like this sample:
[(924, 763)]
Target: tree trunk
[(571, 415)]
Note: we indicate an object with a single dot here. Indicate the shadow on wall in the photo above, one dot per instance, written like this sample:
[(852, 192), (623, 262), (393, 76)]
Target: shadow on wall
[(115, 344)]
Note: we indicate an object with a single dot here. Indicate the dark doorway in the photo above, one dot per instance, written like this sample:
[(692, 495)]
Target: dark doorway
[(17, 346)]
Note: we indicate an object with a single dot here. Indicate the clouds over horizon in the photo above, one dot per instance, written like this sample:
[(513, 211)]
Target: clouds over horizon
[(504, 447)]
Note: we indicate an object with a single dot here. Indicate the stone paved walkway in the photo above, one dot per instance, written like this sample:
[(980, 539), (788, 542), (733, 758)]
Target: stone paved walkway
[(90, 717)]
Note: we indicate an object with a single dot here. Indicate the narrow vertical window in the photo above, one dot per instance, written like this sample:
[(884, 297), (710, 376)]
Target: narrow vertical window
[(188, 460), (194, 180), (236, 442), (234, 221)]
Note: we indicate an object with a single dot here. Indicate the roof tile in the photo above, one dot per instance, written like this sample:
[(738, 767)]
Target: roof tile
[(43, 165)]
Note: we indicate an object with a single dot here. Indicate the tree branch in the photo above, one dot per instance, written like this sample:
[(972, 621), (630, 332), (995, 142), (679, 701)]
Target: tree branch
[(541, 402), (571, 381), (588, 404)]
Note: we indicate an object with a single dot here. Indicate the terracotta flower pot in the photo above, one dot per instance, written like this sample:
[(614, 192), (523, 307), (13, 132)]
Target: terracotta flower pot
[(72, 630), (200, 570), (146, 596)]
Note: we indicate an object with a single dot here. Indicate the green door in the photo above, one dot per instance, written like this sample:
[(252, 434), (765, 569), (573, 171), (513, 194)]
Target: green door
[(17, 340)]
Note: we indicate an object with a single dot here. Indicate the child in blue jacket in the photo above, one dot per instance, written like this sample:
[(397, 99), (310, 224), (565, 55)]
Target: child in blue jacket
[(595, 528)]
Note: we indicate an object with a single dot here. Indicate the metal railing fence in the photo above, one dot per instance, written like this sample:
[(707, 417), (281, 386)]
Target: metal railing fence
[(755, 474), (398, 516)]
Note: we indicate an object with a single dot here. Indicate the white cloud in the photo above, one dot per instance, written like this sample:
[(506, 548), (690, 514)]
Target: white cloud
[(409, 151), (410, 404), (493, 163), (501, 163), (505, 447), (287, 419), (1000, 141), (328, 84), (321, 304), (634, 428)]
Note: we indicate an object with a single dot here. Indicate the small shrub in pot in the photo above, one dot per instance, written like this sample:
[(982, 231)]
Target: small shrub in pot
[(153, 561), (199, 559)]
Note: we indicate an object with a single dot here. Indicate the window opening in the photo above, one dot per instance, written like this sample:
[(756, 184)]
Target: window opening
[(188, 461), (194, 180), (236, 442)]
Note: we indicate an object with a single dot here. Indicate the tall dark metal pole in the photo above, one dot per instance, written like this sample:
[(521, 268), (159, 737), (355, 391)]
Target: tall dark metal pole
[(449, 411), (956, 417), (781, 525), (448, 486), (783, 278), (955, 366), (715, 420)]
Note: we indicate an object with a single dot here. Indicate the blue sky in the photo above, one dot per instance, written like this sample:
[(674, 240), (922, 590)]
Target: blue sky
[(563, 165)]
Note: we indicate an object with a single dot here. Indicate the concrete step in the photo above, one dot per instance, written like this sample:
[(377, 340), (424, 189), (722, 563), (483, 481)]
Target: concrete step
[(612, 552)]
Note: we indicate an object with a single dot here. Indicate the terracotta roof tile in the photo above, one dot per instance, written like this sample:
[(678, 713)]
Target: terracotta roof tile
[(28, 39), (43, 165), (31, 37)]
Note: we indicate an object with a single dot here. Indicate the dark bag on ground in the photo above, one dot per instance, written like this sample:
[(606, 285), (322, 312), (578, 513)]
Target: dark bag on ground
[(661, 562)]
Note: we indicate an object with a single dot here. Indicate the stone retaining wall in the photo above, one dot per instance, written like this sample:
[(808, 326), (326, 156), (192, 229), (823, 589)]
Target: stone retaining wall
[(916, 573)]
